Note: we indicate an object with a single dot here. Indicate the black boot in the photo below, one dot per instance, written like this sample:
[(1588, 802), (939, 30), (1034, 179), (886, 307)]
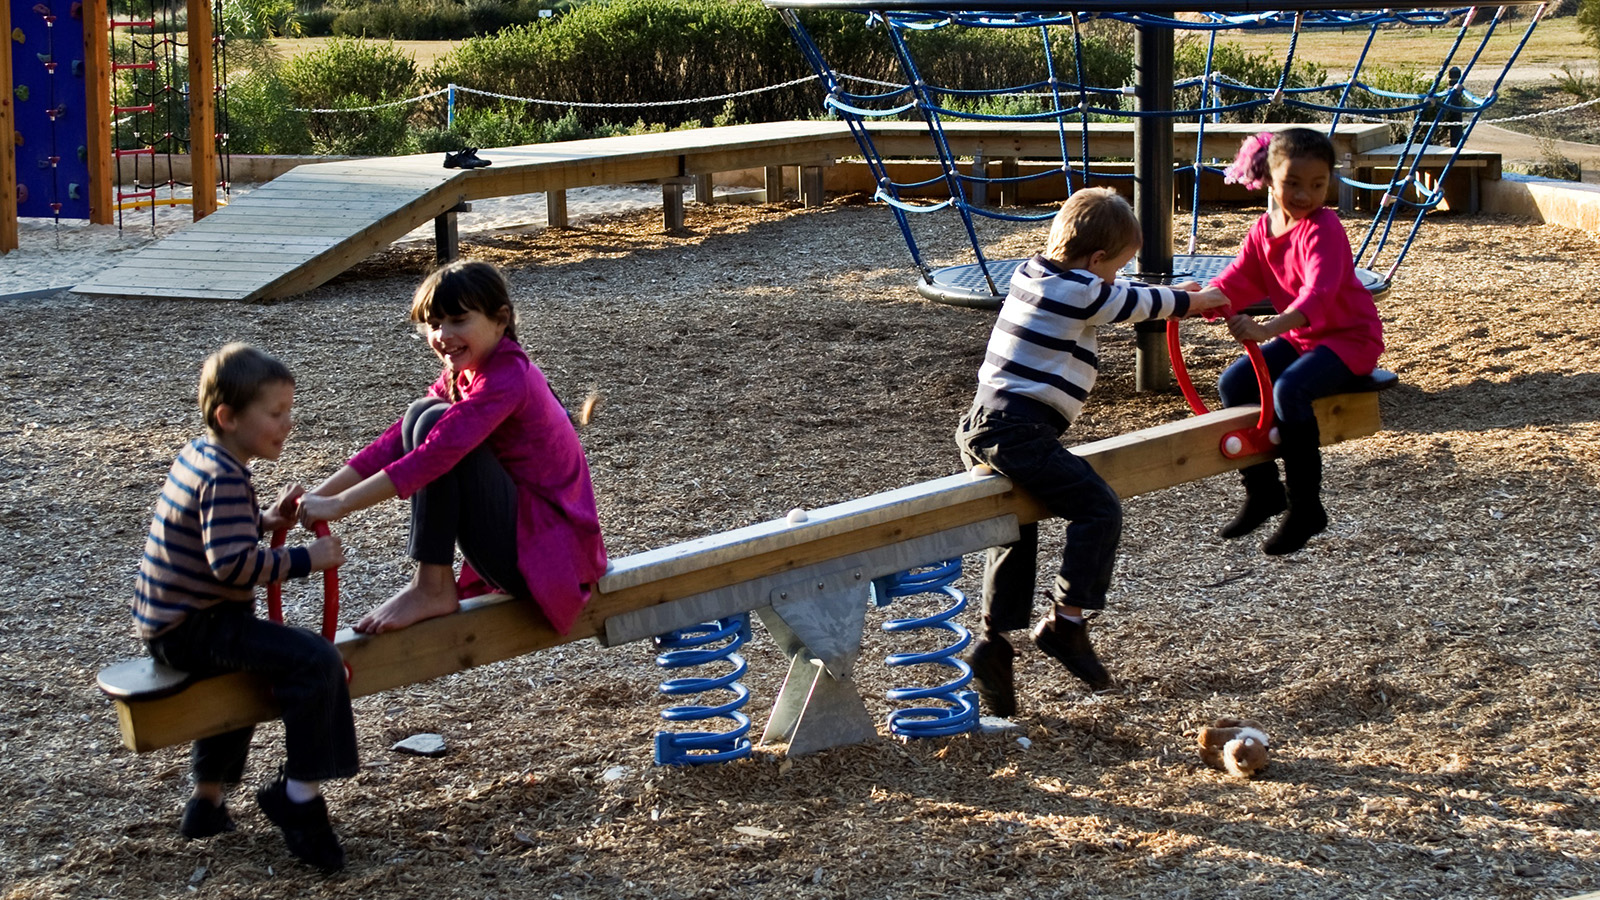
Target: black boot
[(1263, 499), (1302, 473)]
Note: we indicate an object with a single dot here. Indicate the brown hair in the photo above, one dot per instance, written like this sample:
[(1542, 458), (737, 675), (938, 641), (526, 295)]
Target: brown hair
[(1092, 219), (1300, 143), (235, 376), (464, 286)]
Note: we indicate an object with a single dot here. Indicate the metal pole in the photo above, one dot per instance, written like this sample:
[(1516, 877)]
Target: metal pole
[(1153, 190)]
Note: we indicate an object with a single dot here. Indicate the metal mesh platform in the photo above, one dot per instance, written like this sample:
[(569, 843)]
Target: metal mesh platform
[(966, 285)]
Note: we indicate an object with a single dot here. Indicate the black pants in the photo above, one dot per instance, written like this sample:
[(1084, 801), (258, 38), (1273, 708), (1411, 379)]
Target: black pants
[(473, 505), (1029, 452), (307, 678)]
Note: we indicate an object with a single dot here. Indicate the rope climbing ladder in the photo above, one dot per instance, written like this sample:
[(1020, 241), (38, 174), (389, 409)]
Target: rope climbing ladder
[(1070, 101)]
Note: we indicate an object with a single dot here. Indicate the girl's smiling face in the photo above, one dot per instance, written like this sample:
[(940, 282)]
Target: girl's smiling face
[(465, 339), (1301, 185)]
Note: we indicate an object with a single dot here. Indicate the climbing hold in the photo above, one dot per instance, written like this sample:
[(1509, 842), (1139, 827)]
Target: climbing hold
[(72, 191), (18, 36), (22, 193), (21, 91), (83, 153), (77, 68)]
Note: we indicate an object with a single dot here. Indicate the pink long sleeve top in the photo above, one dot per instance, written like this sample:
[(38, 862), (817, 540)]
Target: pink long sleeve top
[(1309, 268), (508, 405)]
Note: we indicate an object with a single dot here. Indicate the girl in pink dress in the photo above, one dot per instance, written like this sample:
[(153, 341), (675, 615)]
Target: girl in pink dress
[(490, 462), (1326, 331)]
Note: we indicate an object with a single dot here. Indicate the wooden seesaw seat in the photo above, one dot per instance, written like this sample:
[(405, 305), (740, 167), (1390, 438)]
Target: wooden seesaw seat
[(806, 579)]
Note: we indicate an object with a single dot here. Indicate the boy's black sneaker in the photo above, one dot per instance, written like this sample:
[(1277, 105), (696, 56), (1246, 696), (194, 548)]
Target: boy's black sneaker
[(305, 826), (1069, 642), (991, 663), (202, 819)]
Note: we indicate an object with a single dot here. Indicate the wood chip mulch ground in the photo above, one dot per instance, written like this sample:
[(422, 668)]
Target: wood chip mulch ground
[(1427, 669)]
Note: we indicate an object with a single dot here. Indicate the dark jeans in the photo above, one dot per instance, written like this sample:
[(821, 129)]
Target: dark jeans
[(1296, 380), (473, 505), (1029, 452), (307, 678)]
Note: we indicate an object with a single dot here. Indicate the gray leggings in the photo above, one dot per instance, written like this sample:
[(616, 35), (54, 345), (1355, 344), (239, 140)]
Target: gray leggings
[(473, 505)]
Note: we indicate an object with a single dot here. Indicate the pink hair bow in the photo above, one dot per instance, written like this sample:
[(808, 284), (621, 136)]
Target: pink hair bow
[(1249, 168)]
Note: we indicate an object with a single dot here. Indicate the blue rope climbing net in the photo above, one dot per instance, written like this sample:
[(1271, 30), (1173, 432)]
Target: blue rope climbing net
[(1437, 114)]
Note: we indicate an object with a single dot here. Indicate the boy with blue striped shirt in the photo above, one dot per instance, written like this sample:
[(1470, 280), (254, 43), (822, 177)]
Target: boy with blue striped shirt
[(194, 605), (1040, 366)]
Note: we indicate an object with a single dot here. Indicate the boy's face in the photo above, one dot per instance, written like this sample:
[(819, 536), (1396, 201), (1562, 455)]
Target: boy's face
[(259, 429)]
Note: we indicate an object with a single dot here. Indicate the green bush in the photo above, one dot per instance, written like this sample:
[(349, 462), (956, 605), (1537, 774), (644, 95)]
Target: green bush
[(433, 20), (318, 22), (259, 19), (494, 128), (353, 73), (1589, 20), (1256, 69), (258, 116), (647, 51)]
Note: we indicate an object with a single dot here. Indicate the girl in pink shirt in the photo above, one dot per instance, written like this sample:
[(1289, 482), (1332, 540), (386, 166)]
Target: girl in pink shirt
[(1326, 331), (490, 461)]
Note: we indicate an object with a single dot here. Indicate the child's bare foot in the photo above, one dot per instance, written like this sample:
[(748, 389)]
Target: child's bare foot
[(429, 595)]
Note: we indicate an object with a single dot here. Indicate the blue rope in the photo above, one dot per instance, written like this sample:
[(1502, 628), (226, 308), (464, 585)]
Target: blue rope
[(1056, 99)]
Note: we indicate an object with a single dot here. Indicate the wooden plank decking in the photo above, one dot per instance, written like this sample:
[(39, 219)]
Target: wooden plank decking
[(316, 221)]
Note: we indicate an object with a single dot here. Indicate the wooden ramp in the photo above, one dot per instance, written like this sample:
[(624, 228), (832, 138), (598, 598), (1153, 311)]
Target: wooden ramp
[(316, 221)]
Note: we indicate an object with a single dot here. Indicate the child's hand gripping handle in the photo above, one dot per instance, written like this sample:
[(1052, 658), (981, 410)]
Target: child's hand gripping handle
[(1262, 437), (330, 588)]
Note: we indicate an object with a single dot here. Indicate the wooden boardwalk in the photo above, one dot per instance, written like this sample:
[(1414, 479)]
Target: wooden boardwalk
[(318, 220), (310, 224)]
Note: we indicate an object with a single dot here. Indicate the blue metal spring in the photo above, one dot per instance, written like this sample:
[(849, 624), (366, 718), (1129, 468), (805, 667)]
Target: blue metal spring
[(960, 712), (687, 647)]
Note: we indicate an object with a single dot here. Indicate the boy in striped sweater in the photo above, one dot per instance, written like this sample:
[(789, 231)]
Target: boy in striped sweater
[(1040, 366), (194, 605)]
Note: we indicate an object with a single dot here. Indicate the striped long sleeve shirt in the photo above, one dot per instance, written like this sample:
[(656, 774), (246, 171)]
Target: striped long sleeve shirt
[(204, 546), (1042, 357)]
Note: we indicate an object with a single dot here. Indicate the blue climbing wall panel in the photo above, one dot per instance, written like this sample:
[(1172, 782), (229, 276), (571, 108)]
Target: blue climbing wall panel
[(50, 93)]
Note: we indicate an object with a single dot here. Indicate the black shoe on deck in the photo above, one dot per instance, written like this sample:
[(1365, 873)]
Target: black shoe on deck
[(991, 662), (1068, 642), (305, 826), (202, 820)]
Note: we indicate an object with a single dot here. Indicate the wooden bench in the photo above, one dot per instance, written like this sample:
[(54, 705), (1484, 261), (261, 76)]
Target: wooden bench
[(1463, 190), (804, 578)]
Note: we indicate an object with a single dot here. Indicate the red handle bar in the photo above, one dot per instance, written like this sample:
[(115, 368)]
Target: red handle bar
[(330, 589), (1245, 442)]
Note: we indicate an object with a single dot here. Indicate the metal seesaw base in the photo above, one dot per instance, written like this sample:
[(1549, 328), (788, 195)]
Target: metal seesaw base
[(816, 614)]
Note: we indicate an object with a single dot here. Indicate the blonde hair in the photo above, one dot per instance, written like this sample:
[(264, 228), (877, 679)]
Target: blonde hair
[(235, 376), (1090, 220)]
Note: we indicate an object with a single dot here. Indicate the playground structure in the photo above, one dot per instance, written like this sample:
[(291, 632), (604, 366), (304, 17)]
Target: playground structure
[(807, 576), (57, 73), (1070, 106)]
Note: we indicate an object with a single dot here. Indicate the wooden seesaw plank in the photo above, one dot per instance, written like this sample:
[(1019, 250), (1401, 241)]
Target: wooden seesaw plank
[(496, 628)]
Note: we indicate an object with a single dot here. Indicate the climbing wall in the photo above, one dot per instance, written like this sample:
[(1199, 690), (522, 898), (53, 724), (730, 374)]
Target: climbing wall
[(49, 91)]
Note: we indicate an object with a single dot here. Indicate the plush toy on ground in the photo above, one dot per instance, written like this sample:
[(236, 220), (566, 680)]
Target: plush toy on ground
[(1236, 746)]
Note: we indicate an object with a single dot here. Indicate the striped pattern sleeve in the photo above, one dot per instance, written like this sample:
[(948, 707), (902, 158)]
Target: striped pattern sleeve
[(204, 545), (1043, 349)]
